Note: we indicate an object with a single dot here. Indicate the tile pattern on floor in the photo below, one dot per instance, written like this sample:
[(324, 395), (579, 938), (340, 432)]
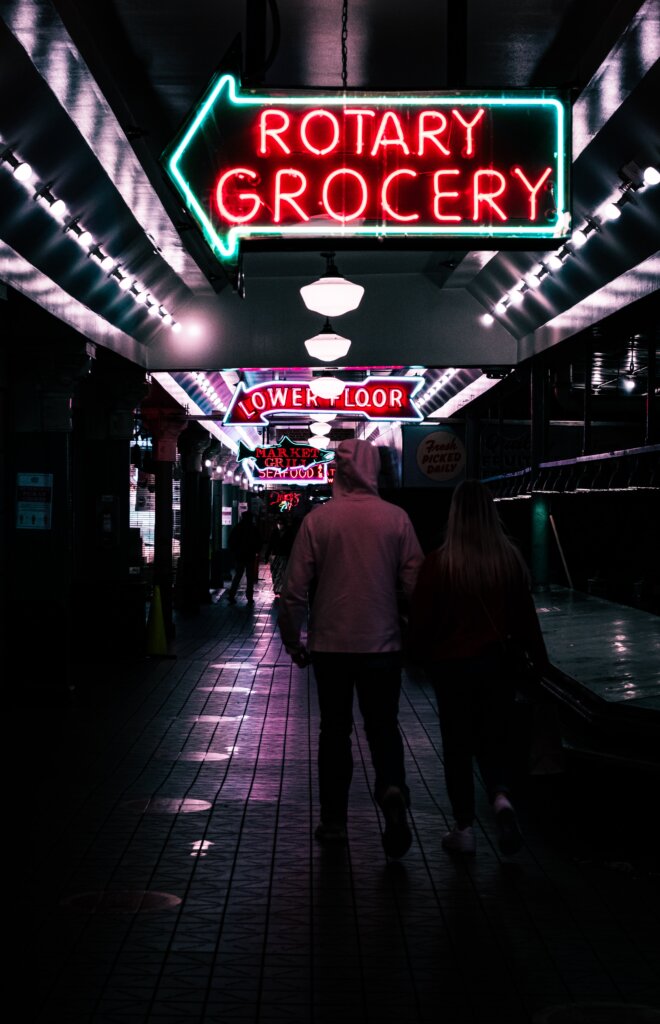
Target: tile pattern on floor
[(173, 876)]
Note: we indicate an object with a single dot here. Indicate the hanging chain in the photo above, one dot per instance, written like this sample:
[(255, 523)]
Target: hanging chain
[(344, 44)]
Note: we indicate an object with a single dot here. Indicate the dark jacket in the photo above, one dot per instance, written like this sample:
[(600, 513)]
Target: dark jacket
[(245, 539), (448, 624)]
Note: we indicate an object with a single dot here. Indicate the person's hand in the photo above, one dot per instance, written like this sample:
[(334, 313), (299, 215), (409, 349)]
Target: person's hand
[(299, 655)]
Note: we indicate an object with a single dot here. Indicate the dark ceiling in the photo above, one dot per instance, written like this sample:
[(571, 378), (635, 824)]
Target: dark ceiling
[(93, 92)]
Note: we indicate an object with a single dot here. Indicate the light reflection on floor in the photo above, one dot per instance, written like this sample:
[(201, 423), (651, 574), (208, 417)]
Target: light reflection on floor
[(200, 755), (225, 689), (167, 805), (121, 902)]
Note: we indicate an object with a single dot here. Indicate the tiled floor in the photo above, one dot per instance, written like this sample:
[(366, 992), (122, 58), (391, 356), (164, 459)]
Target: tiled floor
[(173, 877)]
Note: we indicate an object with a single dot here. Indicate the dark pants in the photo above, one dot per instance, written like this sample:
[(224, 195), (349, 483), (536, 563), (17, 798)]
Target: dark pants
[(249, 567), (377, 680), (475, 705)]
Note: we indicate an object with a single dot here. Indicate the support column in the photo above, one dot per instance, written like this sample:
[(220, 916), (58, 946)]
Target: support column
[(164, 419), (651, 431), (110, 600), (588, 395), (44, 364), (228, 501), (540, 513), (205, 549), (193, 442), (472, 442)]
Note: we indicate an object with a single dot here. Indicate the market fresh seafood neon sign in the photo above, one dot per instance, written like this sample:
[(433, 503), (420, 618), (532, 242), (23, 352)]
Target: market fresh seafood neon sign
[(267, 166)]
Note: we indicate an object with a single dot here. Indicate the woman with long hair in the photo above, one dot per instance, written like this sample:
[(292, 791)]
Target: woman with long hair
[(472, 593)]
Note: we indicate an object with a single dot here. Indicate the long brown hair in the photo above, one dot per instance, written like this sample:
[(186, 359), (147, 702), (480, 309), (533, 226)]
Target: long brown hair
[(477, 557)]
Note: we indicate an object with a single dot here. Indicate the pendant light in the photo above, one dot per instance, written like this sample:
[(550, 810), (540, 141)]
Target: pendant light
[(320, 429), (327, 346), (331, 295), (326, 386)]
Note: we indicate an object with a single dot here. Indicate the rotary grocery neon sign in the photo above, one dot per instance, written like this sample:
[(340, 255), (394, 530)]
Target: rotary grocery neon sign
[(268, 166), (375, 398)]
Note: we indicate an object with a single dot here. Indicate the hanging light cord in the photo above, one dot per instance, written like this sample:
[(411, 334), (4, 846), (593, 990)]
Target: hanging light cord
[(344, 44)]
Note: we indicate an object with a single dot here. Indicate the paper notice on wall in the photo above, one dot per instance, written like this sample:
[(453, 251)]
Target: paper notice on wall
[(34, 501)]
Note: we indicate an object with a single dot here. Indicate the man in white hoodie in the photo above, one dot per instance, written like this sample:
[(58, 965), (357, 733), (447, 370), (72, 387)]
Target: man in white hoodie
[(352, 559)]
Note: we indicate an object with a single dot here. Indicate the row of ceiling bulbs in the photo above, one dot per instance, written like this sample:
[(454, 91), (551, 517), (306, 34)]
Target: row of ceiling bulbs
[(58, 210), (634, 179)]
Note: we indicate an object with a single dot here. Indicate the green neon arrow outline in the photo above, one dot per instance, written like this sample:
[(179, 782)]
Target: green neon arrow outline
[(228, 249)]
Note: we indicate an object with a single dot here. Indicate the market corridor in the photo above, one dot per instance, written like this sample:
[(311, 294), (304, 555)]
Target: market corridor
[(173, 875)]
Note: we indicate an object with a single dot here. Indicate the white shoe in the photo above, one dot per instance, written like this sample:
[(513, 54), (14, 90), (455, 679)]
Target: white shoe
[(509, 836), (460, 840)]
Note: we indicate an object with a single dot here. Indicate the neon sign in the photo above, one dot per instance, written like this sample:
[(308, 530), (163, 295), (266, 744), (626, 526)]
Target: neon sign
[(269, 166), (283, 456), (284, 501), (295, 475), (375, 398)]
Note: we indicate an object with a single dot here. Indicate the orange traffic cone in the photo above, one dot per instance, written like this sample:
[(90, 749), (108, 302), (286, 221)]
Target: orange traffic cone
[(156, 639)]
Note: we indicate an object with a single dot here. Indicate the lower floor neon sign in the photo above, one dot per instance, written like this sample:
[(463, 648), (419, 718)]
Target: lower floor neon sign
[(375, 398)]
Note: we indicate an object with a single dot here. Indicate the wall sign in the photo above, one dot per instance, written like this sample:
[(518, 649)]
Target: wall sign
[(441, 456), (375, 398), (258, 165), (34, 501), (433, 456)]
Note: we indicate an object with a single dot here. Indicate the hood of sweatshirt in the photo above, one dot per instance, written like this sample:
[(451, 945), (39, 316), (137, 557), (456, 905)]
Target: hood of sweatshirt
[(357, 467)]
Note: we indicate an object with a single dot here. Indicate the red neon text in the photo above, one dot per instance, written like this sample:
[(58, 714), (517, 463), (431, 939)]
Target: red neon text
[(345, 194), (321, 132)]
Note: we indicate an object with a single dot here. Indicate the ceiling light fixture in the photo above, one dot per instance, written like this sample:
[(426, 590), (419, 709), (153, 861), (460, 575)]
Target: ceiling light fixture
[(635, 179), (320, 428), (323, 417), (332, 294), (58, 210), (327, 346), (21, 170), (326, 386)]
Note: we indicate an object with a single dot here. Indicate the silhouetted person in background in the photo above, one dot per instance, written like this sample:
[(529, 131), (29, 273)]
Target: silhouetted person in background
[(347, 561), (244, 543), (472, 593), (278, 551)]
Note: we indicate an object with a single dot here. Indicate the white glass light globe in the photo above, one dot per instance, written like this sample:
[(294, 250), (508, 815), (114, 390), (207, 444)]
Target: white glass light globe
[(332, 296), (327, 347), (326, 387)]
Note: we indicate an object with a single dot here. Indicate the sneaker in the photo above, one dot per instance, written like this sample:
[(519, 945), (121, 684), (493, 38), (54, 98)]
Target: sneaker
[(397, 837), (460, 840), (331, 832), (509, 836)]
